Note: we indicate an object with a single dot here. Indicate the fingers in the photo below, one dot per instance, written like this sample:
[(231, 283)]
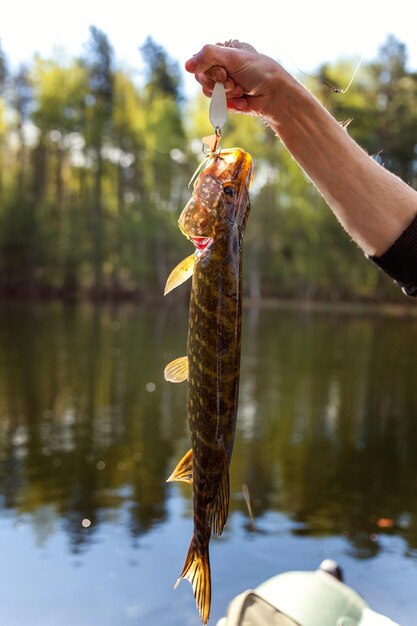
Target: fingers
[(218, 58), (238, 104), (233, 64), (214, 74), (232, 95), (207, 82), (246, 74), (235, 43), (202, 61)]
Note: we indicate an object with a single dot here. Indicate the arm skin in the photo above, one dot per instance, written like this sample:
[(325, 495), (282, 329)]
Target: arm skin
[(373, 205)]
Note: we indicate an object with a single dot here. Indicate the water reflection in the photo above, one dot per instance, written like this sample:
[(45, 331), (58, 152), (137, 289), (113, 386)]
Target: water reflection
[(335, 431), (80, 433), (327, 428)]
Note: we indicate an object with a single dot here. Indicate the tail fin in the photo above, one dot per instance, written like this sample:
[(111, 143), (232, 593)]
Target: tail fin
[(197, 570)]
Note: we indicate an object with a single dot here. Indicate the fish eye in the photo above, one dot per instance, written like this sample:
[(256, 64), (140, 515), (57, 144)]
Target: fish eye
[(229, 190)]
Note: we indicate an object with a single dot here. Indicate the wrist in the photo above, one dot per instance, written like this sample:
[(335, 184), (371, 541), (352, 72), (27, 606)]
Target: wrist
[(285, 96)]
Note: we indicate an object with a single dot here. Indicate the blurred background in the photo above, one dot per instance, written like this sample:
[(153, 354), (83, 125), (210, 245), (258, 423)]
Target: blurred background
[(96, 152), (100, 133)]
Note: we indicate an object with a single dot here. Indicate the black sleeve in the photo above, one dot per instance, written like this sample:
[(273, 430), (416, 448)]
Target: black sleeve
[(400, 260)]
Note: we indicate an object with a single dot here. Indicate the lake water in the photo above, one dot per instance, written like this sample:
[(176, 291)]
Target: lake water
[(90, 532)]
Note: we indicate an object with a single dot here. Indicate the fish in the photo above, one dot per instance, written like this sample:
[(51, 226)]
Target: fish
[(214, 220)]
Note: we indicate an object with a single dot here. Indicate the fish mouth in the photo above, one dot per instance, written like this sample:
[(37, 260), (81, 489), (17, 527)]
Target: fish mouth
[(202, 243)]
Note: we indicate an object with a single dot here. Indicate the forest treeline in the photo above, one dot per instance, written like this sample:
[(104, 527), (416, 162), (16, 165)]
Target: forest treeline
[(94, 171)]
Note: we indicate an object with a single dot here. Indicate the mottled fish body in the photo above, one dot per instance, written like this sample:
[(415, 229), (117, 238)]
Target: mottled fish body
[(214, 219)]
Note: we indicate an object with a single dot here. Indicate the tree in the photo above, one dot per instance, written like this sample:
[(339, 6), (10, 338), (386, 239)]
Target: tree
[(397, 109), (18, 240), (382, 103), (161, 73), (22, 102), (60, 89), (94, 172), (3, 77), (163, 120), (128, 137), (99, 63), (3, 69)]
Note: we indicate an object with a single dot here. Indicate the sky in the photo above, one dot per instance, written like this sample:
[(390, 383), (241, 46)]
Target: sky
[(300, 34)]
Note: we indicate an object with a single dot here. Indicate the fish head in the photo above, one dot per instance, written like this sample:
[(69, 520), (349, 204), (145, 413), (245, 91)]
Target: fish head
[(220, 196)]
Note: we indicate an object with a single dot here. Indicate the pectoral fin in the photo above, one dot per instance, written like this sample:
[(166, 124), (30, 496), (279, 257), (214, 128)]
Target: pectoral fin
[(180, 274), (177, 370), (184, 469)]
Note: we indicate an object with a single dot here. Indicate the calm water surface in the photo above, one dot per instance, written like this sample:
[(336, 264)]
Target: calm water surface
[(90, 533)]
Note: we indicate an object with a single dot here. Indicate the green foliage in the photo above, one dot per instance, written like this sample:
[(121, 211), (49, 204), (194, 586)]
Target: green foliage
[(162, 74), (94, 170), (60, 94), (382, 103), (3, 69), (3, 125)]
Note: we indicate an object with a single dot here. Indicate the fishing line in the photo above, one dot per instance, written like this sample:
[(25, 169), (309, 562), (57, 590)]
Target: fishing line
[(336, 89), (328, 83), (325, 81)]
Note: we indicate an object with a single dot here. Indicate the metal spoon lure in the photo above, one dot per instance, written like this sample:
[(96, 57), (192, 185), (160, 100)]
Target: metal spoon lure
[(217, 115)]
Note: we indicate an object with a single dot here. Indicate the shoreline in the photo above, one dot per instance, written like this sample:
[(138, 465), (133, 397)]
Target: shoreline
[(336, 306), (407, 308)]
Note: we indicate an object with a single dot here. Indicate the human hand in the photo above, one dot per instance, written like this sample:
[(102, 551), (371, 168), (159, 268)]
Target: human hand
[(250, 78)]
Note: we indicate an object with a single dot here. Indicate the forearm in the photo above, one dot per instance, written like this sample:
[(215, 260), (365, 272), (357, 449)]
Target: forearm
[(373, 205)]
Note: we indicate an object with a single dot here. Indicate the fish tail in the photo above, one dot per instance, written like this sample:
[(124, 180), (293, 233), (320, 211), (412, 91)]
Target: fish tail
[(197, 571)]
